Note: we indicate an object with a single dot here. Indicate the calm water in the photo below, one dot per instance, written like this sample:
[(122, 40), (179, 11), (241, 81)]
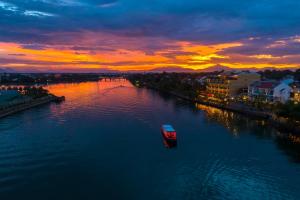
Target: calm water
[(104, 143)]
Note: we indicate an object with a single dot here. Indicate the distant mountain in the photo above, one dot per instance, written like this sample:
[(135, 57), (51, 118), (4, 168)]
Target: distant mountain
[(171, 69), (216, 68), (188, 70), (7, 70)]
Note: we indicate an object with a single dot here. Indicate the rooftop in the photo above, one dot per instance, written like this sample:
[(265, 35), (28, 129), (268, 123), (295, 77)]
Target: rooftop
[(265, 84), (168, 128)]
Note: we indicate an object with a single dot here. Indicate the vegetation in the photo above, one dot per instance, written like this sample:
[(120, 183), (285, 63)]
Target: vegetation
[(289, 110), (179, 83), (279, 74)]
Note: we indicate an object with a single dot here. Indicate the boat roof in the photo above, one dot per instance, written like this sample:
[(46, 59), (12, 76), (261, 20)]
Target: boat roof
[(168, 128)]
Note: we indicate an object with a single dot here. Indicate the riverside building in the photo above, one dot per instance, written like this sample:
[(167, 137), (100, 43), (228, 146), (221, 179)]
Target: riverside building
[(230, 84)]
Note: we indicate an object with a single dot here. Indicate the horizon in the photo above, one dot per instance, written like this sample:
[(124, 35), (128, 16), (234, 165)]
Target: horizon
[(130, 35), (155, 70)]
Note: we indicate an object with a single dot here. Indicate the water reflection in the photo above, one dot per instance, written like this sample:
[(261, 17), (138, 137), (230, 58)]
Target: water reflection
[(169, 144), (290, 145), (178, 103), (233, 122), (237, 124)]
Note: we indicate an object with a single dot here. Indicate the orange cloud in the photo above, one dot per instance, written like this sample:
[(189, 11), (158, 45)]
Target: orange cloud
[(131, 57)]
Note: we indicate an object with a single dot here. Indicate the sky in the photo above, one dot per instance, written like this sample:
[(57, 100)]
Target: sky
[(148, 34)]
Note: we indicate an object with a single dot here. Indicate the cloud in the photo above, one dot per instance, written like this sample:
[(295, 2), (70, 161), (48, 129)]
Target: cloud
[(267, 30), (35, 13), (62, 2), (272, 46), (205, 21), (108, 5), (19, 11), (8, 6)]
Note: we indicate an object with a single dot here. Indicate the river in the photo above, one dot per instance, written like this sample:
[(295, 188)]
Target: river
[(104, 142)]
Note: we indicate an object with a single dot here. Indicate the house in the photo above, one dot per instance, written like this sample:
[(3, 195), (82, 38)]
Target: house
[(230, 84), (295, 95), (282, 92), (269, 91)]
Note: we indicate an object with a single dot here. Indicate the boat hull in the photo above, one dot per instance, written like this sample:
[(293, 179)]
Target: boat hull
[(167, 138)]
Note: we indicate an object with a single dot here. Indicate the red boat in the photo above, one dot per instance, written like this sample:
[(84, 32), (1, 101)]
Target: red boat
[(169, 133)]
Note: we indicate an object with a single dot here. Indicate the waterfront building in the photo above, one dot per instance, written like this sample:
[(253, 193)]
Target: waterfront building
[(295, 95), (230, 84), (269, 91)]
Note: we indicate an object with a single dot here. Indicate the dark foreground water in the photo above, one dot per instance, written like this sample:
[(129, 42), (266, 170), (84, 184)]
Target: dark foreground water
[(104, 142)]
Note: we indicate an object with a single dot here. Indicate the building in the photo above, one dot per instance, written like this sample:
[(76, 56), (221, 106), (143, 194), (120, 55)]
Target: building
[(269, 91), (282, 93), (295, 95), (230, 84)]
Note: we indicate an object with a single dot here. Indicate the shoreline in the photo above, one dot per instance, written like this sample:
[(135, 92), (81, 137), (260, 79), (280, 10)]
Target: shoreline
[(31, 104), (277, 122)]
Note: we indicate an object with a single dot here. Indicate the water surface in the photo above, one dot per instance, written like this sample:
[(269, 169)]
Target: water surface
[(104, 143)]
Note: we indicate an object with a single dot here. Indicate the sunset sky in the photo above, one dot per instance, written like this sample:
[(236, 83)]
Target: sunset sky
[(146, 34)]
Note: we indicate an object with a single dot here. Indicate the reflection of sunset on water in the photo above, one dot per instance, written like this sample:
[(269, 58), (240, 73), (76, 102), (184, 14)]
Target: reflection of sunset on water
[(106, 96), (72, 90)]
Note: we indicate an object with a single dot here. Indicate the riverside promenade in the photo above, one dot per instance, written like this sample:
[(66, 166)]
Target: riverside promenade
[(29, 104)]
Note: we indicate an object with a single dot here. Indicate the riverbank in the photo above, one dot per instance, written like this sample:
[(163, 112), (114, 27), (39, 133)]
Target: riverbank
[(279, 123), (234, 108), (30, 104)]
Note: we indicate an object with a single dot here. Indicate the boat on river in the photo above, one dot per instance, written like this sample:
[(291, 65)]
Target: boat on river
[(169, 133)]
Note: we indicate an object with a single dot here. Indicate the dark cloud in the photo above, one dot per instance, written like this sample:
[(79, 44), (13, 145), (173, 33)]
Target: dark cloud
[(34, 46), (271, 46), (209, 21)]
